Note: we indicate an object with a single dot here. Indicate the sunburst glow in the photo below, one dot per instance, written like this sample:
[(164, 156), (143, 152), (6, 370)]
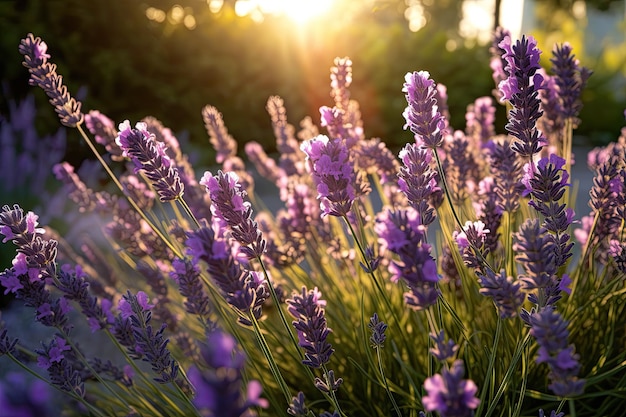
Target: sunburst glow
[(299, 11)]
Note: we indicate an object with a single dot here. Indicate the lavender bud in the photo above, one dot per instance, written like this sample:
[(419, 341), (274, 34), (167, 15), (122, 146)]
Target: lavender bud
[(222, 142), (308, 310), (378, 328), (422, 114), (521, 88), (44, 75), (148, 155), (449, 394)]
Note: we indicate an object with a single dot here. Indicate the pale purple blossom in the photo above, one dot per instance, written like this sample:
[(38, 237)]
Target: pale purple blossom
[(333, 174), (422, 113), (449, 394)]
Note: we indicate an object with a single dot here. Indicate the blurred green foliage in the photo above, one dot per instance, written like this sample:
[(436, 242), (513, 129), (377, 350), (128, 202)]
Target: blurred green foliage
[(132, 67)]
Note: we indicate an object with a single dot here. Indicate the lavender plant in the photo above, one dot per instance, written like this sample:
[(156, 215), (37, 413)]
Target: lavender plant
[(452, 284)]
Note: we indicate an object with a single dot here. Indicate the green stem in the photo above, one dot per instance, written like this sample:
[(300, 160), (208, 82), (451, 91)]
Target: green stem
[(453, 210), (185, 207), (267, 352), (82, 358), (333, 396), (76, 397), (492, 361), (384, 378), (371, 273), (131, 201), (493, 403)]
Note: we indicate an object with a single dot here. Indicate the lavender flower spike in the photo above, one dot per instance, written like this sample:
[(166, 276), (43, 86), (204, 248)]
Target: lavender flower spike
[(449, 394), (149, 342), (149, 155), (44, 75), (550, 331), (219, 383), (308, 310), (570, 78), (521, 88), (422, 113), (333, 174), (228, 203), (418, 181), (443, 349), (222, 142)]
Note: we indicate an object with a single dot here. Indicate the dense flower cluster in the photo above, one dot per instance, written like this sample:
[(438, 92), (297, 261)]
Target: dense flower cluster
[(422, 113), (521, 89), (332, 172), (180, 291)]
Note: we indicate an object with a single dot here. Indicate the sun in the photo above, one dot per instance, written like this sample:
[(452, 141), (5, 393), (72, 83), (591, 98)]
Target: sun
[(300, 11)]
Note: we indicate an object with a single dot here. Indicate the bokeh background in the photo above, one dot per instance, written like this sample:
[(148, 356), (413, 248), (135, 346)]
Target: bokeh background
[(169, 58)]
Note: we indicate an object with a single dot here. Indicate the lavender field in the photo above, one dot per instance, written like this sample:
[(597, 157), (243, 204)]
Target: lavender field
[(472, 272)]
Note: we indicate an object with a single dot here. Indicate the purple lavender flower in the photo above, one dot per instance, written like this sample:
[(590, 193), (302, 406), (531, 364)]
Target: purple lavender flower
[(340, 80), (104, 131), (536, 253), (7, 344), (23, 397), (26, 157), (86, 199), (329, 384), (605, 195), (480, 118), (297, 407), (44, 75), (308, 310), (373, 157), (449, 394), (471, 242), (60, 370), (187, 276), (265, 165), (547, 186), (552, 122), (401, 233), (506, 170), (550, 330), (152, 344), (461, 168), (329, 164), (618, 251), (286, 144), (35, 262), (148, 155), (497, 62), (344, 119), (218, 388), (378, 328), (222, 142), (443, 350), (489, 212), (418, 181), (243, 289), (552, 413), (422, 114), (521, 89), (503, 290), (75, 287), (228, 204), (570, 78)]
